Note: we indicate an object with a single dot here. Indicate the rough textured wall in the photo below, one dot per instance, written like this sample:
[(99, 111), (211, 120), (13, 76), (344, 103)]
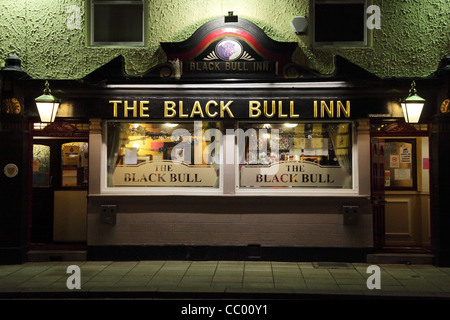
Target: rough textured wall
[(414, 35)]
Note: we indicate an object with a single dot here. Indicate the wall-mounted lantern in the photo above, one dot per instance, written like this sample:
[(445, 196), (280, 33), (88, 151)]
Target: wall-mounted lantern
[(47, 105), (412, 106)]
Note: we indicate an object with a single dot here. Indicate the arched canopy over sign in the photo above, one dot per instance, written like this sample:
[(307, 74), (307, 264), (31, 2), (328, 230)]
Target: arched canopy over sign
[(227, 50), (238, 49)]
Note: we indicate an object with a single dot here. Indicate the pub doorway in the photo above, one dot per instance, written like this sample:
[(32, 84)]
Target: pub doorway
[(60, 154), (401, 186)]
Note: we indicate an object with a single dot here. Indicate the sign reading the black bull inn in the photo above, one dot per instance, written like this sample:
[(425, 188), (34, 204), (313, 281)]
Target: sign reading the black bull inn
[(240, 50), (239, 109), (224, 52), (230, 56)]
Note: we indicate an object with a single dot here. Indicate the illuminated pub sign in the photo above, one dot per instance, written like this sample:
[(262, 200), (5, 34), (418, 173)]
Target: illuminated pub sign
[(231, 51), (238, 49), (239, 109), (315, 152)]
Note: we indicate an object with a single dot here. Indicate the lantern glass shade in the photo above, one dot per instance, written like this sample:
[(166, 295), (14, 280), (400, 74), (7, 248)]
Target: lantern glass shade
[(412, 106), (47, 110), (47, 105)]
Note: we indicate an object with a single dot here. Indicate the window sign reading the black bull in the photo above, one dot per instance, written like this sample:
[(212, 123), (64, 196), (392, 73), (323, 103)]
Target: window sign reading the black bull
[(188, 154), (239, 109), (298, 156), (163, 173), (295, 174), (162, 155)]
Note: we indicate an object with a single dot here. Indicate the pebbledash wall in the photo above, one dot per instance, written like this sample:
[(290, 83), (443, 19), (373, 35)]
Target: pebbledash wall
[(412, 39), (413, 36)]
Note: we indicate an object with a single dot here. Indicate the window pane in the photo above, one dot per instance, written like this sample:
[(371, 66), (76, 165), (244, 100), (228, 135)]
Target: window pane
[(300, 155), (400, 166), (41, 165), (163, 154), (114, 23), (347, 21), (75, 164)]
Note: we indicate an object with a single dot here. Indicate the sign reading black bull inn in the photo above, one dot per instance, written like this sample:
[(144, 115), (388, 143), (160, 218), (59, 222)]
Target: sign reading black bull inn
[(241, 50), (223, 52), (240, 109)]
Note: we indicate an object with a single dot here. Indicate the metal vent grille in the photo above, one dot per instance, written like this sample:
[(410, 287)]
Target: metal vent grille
[(332, 265)]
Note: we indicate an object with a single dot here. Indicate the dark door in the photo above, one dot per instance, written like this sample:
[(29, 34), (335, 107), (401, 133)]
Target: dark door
[(59, 165), (377, 191)]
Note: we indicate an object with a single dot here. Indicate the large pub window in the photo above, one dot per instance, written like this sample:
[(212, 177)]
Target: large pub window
[(296, 155), (265, 156), (163, 154)]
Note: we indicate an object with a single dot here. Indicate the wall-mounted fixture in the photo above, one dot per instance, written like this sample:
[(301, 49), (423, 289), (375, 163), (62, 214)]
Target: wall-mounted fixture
[(412, 106), (350, 215), (47, 105), (299, 24), (108, 214), (231, 17)]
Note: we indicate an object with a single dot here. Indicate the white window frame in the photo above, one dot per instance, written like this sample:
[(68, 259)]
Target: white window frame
[(320, 192), (229, 174), (104, 189), (118, 43)]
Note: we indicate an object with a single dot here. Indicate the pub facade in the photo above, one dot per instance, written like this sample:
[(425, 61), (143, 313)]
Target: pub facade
[(228, 150)]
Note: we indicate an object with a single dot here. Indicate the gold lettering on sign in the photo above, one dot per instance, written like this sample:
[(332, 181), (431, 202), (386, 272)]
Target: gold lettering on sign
[(126, 108), (261, 66), (142, 109), (280, 110), (208, 104), (226, 107), (204, 66), (254, 109), (345, 110), (269, 115), (115, 102), (236, 66), (324, 107), (254, 106), (197, 110), (169, 109), (171, 112), (180, 109), (292, 114), (328, 110)]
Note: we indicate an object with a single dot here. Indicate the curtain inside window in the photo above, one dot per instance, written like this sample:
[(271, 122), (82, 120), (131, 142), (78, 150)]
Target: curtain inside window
[(116, 133), (340, 135)]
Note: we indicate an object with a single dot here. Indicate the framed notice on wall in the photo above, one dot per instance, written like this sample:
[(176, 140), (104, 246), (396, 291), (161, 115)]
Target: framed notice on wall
[(400, 164)]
